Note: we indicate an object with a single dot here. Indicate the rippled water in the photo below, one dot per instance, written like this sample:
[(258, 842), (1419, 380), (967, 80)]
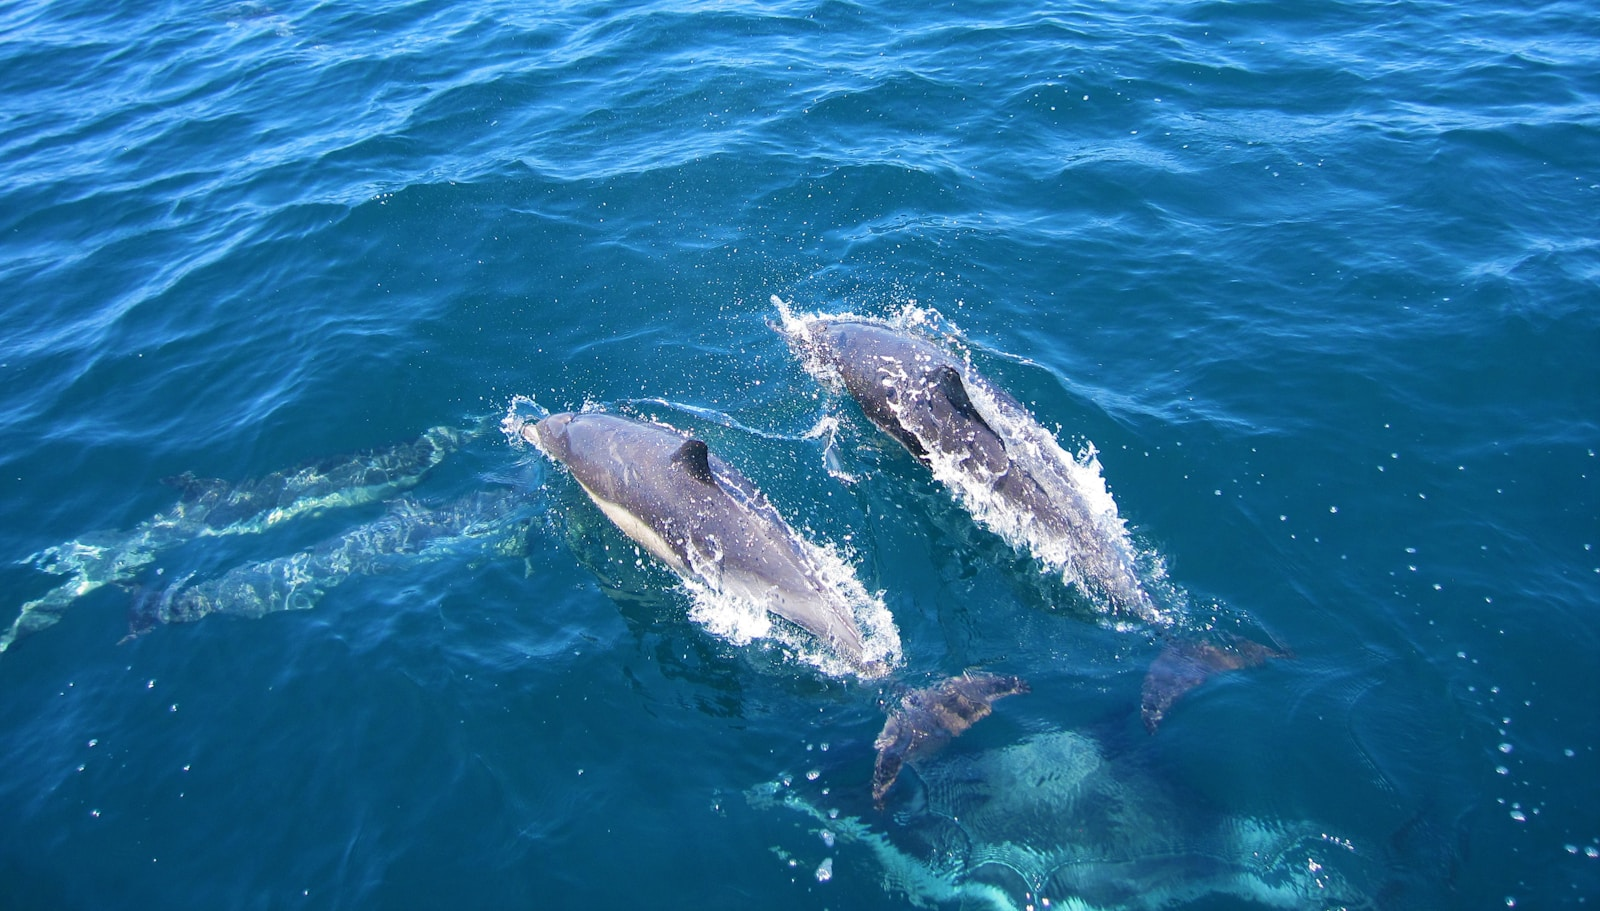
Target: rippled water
[(1317, 281)]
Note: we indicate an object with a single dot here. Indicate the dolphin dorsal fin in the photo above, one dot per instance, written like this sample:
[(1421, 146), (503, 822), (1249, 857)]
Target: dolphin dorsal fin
[(694, 458), (947, 380)]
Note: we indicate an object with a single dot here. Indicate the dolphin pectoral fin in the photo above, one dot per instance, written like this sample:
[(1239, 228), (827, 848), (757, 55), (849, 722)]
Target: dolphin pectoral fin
[(1183, 666), (694, 459), (950, 385)]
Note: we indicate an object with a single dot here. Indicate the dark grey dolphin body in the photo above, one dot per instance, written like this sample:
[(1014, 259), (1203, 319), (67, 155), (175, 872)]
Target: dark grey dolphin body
[(1009, 472), (980, 442), (704, 519)]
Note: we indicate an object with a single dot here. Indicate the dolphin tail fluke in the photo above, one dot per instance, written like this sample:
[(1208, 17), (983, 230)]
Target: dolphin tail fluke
[(928, 718), (1186, 664)]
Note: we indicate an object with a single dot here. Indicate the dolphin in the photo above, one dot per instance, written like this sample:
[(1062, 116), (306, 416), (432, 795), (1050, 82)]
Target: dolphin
[(706, 521), (982, 444)]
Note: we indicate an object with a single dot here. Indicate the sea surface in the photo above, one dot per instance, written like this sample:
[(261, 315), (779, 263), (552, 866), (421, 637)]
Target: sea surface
[(1313, 286)]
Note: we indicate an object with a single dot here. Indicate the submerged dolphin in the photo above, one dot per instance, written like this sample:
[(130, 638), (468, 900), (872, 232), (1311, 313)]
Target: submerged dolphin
[(1061, 820), (212, 507), (706, 521), (1006, 469), (481, 523)]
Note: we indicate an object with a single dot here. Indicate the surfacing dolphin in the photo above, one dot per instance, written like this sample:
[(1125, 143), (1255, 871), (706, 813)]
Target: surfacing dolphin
[(982, 444), (710, 524)]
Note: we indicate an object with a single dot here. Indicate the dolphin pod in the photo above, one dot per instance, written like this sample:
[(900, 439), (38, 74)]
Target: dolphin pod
[(699, 516)]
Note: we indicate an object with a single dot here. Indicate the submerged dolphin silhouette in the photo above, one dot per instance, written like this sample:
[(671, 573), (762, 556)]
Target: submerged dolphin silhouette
[(704, 519), (1000, 464)]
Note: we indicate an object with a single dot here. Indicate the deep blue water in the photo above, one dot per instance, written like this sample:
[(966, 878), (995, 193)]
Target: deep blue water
[(1320, 282)]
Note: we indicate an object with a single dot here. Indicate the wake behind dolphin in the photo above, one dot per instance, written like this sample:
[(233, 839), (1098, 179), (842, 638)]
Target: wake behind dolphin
[(709, 523), (983, 445)]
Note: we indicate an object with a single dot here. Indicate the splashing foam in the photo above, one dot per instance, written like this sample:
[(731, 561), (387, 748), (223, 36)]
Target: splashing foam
[(742, 618), (1095, 553)]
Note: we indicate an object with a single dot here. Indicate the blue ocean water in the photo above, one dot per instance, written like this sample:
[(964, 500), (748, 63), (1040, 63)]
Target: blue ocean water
[(1320, 282)]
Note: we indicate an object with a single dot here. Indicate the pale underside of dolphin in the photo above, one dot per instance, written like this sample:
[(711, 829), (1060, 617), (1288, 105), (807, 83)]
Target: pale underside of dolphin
[(709, 523), (994, 457)]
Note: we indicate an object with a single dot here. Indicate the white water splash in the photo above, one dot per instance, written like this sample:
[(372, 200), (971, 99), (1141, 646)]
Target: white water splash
[(742, 618)]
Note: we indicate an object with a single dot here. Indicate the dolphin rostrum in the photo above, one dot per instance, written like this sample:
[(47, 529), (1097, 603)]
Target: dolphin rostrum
[(995, 458), (709, 523)]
